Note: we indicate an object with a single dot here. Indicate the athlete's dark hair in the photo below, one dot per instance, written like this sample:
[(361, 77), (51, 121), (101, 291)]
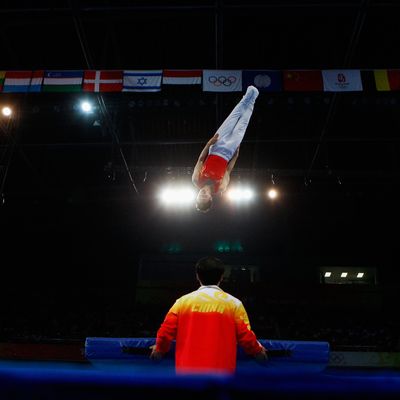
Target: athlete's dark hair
[(203, 206), (210, 270)]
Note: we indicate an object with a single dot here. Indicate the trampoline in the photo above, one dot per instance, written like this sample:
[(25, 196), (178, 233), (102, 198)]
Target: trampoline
[(119, 368)]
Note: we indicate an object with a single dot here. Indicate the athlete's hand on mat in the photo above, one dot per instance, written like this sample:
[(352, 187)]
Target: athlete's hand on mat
[(155, 355), (214, 139), (262, 356)]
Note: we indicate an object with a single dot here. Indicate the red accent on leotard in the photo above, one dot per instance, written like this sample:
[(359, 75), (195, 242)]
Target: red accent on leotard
[(213, 169)]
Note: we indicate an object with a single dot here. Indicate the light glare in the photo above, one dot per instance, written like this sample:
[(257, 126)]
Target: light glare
[(177, 196), (240, 194), (360, 275), (6, 111), (86, 106), (343, 275), (328, 274), (272, 194)]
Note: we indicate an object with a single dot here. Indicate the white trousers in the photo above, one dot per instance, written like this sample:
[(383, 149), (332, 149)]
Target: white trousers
[(232, 130)]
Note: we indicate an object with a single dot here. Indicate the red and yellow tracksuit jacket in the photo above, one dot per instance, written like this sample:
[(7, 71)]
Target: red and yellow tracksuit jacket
[(207, 325)]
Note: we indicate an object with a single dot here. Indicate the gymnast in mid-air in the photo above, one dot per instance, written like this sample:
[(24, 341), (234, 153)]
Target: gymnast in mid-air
[(212, 171)]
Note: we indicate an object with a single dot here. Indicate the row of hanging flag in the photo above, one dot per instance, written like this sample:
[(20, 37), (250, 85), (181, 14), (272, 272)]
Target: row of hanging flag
[(346, 80)]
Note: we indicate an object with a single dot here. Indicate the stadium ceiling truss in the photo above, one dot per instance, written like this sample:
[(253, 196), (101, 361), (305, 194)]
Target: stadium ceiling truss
[(81, 14)]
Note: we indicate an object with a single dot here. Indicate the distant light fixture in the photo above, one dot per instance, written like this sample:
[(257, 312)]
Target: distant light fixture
[(177, 195), (86, 107), (240, 194), (328, 274), (6, 111), (343, 275), (360, 275), (272, 194)]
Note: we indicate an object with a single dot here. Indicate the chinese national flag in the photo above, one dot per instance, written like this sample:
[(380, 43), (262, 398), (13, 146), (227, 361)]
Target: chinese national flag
[(303, 81)]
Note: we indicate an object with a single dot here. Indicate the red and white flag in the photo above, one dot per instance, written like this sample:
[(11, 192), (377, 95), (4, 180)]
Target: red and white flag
[(102, 81), (17, 81), (181, 77), (36, 81)]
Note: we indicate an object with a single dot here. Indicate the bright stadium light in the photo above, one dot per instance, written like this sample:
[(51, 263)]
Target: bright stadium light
[(6, 111), (272, 194), (86, 107), (177, 195), (328, 274), (240, 194), (343, 275), (360, 275)]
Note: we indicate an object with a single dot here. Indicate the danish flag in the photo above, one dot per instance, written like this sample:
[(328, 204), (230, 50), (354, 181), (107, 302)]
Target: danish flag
[(102, 81)]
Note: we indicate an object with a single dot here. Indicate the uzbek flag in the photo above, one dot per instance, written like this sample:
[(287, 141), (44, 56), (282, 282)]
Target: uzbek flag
[(62, 81)]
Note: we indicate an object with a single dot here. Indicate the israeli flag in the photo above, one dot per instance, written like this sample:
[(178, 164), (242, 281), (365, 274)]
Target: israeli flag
[(142, 81)]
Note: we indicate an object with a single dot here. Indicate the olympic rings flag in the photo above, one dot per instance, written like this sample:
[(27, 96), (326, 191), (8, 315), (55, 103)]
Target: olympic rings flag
[(218, 80)]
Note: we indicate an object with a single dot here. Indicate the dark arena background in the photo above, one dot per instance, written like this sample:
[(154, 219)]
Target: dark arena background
[(89, 249)]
